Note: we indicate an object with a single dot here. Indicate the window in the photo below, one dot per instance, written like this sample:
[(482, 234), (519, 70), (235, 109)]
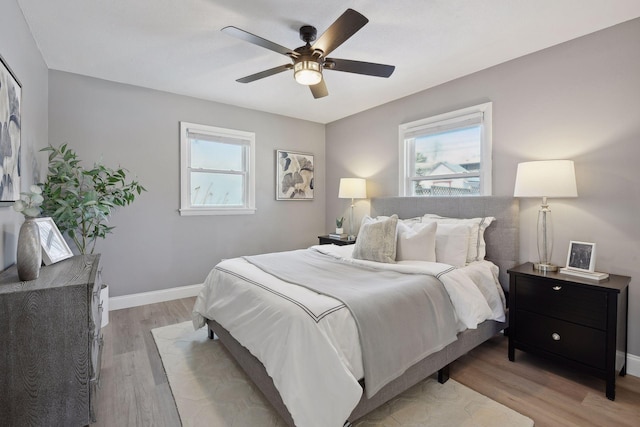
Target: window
[(216, 170), (448, 154)]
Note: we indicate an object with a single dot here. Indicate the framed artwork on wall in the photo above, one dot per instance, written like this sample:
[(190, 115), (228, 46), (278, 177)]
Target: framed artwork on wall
[(294, 177), (10, 126), (581, 256), (54, 247)]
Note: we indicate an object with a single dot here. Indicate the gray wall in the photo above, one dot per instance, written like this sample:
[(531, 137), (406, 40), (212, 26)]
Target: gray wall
[(153, 247), (579, 100), (19, 50)]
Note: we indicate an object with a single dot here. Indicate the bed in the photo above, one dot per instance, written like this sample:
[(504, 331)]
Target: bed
[(501, 249)]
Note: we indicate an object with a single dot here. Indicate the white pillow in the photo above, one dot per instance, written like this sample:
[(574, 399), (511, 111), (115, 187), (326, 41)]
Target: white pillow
[(451, 243), (408, 221), (477, 247), (416, 242), (377, 240)]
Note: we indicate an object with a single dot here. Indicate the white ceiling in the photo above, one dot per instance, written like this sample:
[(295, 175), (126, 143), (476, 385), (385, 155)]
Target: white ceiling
[(176, 46)]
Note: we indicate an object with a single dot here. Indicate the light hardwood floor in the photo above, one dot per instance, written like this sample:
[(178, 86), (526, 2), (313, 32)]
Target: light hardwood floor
[(135, 391)]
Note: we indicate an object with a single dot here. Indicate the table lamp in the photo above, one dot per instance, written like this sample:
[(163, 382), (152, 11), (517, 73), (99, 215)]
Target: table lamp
[(352, 188), (545, 178)]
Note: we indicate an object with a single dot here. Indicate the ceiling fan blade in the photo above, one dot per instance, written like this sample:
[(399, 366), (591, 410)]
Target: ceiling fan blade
[(359, 67), (252, 38), (265, 73), (344, 27), (319, 90)]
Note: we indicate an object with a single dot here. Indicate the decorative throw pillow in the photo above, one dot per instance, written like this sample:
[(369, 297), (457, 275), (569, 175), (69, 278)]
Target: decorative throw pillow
[(377, 240), (451, 244), (477, 247), (416, 242)]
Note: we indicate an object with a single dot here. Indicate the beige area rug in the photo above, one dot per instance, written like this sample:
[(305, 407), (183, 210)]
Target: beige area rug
[(210, 389)]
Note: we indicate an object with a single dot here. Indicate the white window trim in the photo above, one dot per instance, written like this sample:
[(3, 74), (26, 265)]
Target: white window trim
[(185, 160), (486, 135)]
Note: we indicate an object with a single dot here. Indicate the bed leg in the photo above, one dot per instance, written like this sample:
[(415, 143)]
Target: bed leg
[(443, 375), (210, 333)]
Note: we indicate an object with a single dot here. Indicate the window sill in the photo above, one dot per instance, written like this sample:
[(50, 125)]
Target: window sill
[(208, 211)]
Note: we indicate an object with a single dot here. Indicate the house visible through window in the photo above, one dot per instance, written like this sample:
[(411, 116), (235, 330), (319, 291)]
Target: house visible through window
[(216, 170), (447, 155)]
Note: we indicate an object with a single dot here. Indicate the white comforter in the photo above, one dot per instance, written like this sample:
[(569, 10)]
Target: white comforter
[(308, 342)]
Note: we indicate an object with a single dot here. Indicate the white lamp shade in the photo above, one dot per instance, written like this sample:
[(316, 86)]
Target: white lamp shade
[(352, 188), (546, 178)]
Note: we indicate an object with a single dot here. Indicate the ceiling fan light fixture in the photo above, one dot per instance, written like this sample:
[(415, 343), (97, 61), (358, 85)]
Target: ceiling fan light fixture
[(307, 72), (309, 61)]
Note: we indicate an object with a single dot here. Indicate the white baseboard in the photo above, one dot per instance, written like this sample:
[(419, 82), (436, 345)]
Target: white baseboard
[(152, 297), (633, 365)]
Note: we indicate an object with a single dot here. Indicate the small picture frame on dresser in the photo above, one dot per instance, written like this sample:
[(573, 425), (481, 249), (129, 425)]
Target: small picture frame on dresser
[(54, 247), (581, 256)]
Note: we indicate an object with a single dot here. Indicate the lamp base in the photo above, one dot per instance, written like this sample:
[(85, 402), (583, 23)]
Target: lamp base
[(545, 267)]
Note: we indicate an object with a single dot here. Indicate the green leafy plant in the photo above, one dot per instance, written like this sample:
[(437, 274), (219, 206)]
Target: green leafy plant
[(29, 203), (339, 222), (80, 200)]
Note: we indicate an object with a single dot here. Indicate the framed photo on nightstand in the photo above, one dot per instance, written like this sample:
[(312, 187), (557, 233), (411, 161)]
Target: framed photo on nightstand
[(581, 256)]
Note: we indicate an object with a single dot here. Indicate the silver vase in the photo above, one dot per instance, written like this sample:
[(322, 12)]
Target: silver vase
[(29, 252)]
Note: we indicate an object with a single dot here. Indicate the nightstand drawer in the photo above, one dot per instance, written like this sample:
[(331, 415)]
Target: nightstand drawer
[(580, 343), (573, 303)]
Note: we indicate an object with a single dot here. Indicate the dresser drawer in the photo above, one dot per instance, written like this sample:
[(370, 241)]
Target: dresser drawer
[(93, 398), (94, 383), (95, 300), (96, 352), (576, 342), (570, 302), (95, 336), (96, 356)]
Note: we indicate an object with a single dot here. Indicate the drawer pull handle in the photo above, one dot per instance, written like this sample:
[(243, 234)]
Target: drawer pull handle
[(557, 288), (555, 336)]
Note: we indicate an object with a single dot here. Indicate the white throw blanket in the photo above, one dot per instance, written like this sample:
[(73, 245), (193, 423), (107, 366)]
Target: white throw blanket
[(474, 290), (308, 342), (391, 309)]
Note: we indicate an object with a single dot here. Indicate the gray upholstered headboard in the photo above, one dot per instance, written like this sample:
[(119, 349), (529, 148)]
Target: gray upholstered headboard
[(502, 236)]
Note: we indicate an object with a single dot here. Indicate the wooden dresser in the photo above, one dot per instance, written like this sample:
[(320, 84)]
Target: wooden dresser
[(50, 344), (577, 321)]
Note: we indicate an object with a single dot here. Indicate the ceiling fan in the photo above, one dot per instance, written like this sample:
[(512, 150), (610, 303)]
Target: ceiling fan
[(308, 61)]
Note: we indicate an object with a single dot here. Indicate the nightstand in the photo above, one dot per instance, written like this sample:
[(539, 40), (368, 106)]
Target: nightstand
[(576, 321), (327, 240)]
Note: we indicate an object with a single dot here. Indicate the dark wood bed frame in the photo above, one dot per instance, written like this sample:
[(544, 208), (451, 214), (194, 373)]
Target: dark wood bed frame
[(502, 239)]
